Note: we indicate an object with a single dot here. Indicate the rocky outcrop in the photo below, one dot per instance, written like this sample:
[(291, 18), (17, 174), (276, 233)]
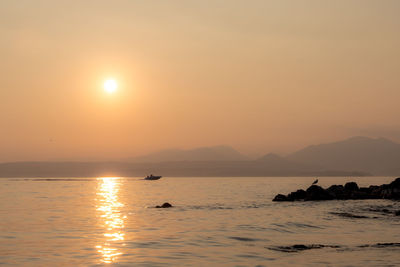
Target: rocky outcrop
[(348, 191), (316, 192)]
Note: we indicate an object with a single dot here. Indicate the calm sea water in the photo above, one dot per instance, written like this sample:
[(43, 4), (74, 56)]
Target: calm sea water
[(215, 222)]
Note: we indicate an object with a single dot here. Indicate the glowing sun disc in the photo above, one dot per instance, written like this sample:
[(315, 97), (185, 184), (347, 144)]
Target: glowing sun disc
[(110, 86)]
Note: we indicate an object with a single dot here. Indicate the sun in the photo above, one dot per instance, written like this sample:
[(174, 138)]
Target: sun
[(110, 86)]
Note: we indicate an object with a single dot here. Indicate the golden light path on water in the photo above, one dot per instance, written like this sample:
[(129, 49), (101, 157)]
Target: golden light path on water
[(109, 208)]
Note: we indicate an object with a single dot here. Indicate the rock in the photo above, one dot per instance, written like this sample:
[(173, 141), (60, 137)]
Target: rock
[(315, 192), (395, 189), (390, 191), (395, 183), (336, 191), (280, 197), (164, 206), (351, 186), (397, 213), (375, 191), (386, 192), (370, 192), (298, 195)]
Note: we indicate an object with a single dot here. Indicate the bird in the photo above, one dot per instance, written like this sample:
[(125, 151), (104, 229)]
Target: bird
[(315, 182)]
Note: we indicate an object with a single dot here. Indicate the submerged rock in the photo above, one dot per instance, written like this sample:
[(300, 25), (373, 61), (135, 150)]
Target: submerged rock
[(164, 206), (348, 191), (301, 247)]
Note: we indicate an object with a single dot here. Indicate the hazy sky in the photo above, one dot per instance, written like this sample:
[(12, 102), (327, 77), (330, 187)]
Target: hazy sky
[(260, 76)]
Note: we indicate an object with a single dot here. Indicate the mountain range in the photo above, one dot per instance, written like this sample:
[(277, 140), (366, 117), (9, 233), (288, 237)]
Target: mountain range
[(378, 156), (356, 156), (215, 153)]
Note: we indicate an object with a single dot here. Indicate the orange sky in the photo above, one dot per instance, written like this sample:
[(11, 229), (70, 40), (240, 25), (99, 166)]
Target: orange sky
[(261, 76)]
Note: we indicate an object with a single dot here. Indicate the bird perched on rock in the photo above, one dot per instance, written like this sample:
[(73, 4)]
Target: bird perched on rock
[(315, 182)]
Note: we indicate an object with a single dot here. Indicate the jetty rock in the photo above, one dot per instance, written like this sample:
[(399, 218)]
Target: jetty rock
[(349, 191)]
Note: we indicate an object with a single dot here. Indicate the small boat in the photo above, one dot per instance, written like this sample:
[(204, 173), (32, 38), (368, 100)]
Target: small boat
[(152, 177)]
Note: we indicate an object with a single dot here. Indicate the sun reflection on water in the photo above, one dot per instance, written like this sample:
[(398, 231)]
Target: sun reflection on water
[(109, 208)]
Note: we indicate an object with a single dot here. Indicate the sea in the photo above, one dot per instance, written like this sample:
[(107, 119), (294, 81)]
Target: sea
[(214, 221)]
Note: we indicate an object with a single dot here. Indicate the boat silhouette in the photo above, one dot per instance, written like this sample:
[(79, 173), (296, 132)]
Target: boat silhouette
[(152, 177)]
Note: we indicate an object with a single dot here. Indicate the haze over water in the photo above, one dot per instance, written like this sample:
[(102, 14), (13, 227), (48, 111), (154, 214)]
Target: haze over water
[(215, 221), (193, 88)]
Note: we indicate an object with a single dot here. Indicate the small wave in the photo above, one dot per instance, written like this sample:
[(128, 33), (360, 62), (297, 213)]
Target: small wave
[(302, 247), (221, 206), (250, 256), (66, 237), (303, 225), (381, 245), (149, 244), (251, 227), (244, 239), (8, 237), (383, 210), (350, 215), (210, 207), (61, 179), (281, 228)]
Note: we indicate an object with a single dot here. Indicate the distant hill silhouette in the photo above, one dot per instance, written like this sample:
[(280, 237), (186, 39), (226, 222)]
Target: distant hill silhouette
[(271, 157), (356, 156), (215, 153), (379, 156)]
